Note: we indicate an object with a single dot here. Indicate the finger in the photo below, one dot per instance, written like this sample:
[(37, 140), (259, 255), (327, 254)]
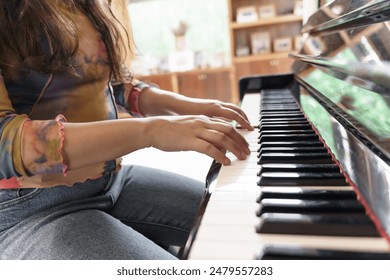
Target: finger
[(221, 139), (237, 109), (237, 138), (209, 149), (221, 120), (223, 135), (226, 127), (233, 115)]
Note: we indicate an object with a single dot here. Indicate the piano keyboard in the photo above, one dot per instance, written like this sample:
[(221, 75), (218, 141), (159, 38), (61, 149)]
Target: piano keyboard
[(288, 199)]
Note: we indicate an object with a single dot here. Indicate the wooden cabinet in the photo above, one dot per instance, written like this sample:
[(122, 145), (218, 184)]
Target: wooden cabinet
[(214, 85), (263, 67), (163, 81), (208, 83), (260, 44)]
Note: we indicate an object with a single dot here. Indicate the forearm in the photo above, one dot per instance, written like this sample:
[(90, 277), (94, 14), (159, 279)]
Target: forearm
[(154, 101), (89, 143)]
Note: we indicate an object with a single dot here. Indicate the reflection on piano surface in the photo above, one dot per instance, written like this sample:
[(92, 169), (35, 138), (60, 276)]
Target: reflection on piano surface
[(317, 183)]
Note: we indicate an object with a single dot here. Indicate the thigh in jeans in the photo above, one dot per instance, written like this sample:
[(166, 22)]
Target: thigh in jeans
[(16, 204), (86, 234), (159, 204)]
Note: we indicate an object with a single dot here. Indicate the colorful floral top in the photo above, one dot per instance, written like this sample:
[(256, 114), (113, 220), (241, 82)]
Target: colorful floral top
[(50, 100)]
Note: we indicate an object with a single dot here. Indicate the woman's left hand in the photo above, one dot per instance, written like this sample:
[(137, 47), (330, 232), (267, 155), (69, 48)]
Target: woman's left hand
[(219, 109), (156, 102)]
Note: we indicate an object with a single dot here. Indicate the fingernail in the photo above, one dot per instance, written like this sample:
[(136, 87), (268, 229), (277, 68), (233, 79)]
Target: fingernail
[(243, 155), (227, 161)]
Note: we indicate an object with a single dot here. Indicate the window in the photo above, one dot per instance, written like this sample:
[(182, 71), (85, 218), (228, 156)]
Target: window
[(152, 22)]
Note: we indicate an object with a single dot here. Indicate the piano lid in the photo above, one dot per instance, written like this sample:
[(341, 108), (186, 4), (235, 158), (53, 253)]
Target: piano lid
[(346, 57), (343, 68)]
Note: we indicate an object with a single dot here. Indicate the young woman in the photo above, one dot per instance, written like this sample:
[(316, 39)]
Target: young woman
[(63, 193)]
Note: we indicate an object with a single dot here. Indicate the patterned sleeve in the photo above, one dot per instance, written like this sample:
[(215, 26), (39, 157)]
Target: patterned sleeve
[(127, 96), (42, 141)]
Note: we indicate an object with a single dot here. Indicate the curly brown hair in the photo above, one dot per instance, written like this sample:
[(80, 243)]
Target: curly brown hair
[(23, 24)]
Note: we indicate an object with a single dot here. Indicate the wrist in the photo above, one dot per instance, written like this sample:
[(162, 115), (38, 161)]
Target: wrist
[(148, 131), (134, 97)]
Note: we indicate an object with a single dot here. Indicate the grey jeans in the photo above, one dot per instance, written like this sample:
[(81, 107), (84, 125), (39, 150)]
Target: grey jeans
[(132, 214)]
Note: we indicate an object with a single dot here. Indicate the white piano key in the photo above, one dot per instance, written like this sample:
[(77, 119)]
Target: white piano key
[(251, 103), (238, 171), (232, 196), (231, 218), (237, 187), (220, 251), (251, 158), (225, 238), (241, 164), (295, 189), (330, 188), (241, 179), (233, 205), (247, 233)]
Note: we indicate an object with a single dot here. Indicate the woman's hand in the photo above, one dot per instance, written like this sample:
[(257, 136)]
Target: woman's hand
[(157, 102), (219, 109), (210, 136)]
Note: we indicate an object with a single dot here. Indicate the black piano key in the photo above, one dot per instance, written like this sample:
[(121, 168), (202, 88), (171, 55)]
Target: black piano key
[(281, 114), (280, 105), (287, 115), (303, 193), (277, 98), (289, 132), (276, 94), (277, 102), (306, 206), (315, 143), (295, 158), (284, 121), (293, 150), (266, 93), (285, 252), (284, 100), (287, 123), (279, 109), (270, 93), (294, 179), (298, 126), (317, 224), (288, 137)]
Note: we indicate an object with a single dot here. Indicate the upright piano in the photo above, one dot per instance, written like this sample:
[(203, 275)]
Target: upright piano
[(317, 182)]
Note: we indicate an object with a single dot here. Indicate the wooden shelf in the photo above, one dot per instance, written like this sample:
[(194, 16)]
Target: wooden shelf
[(269, 21), (283, 25)]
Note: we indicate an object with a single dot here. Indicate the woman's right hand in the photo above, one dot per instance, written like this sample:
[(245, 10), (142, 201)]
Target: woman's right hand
[(209, 136)]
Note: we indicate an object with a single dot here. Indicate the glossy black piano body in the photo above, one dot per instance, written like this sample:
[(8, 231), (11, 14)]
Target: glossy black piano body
[(341, 81)]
